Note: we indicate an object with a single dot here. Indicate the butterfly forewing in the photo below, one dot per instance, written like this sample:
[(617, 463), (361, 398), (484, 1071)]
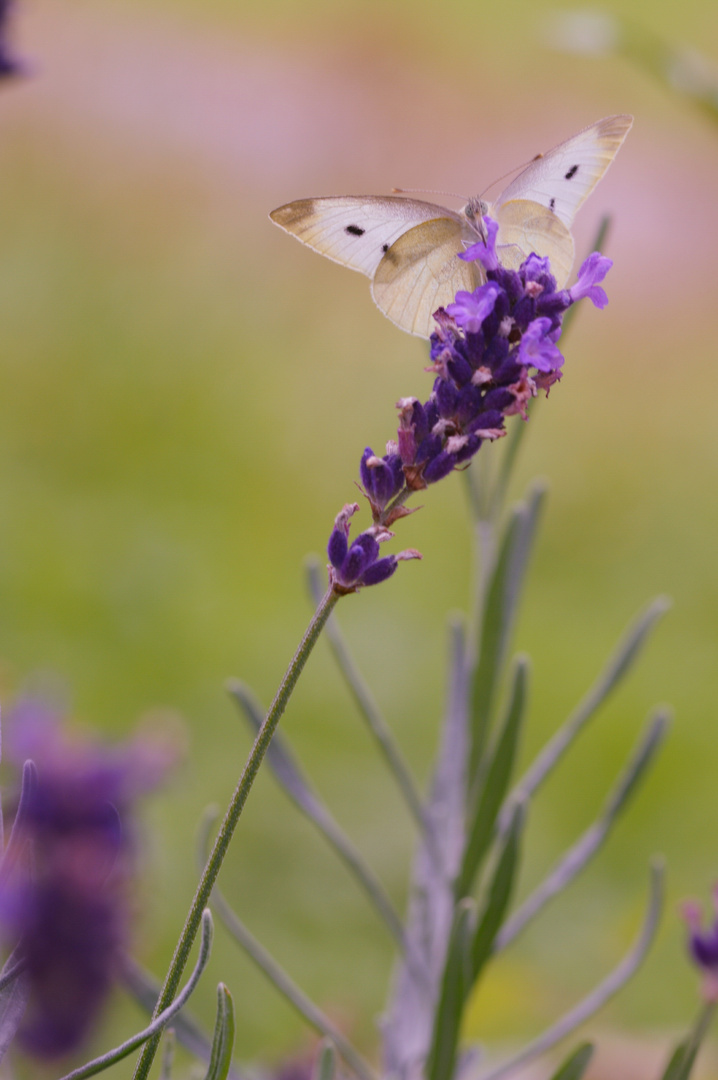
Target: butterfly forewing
[(564, 177), (354, 230), (421, 272)]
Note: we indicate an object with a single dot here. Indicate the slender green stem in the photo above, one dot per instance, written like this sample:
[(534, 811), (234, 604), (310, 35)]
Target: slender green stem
[(224, 836)]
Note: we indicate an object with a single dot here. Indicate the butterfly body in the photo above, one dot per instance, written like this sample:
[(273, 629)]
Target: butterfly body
[(409, 247)]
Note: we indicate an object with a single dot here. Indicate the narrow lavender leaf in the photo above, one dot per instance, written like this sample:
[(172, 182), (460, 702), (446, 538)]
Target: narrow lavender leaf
[(409, 1018), (325, 1066), (618, 665), (27, 789), (681, 1061), (498, 894), (684, 1056), (495, 782), (286, 771), (575, 1066), (145, 989), (455, 988), (570, 865), (598, 997), (499, 616), (223, 1041)]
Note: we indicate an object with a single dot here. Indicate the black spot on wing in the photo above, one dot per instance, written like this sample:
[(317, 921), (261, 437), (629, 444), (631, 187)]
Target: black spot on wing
[(355, 230), (571, 172), (552, 204), (385, 248)]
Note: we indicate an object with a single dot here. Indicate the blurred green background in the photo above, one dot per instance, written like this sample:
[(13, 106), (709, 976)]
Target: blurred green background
[(185, 395)]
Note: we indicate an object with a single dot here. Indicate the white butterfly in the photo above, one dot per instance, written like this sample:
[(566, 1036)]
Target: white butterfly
[(408, 247)]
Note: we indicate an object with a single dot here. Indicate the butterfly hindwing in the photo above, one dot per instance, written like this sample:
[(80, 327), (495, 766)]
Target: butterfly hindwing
[(526, 226), (421, 272)]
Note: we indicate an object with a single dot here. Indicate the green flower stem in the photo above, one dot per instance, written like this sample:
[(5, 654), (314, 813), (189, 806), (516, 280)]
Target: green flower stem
[(224, 836)]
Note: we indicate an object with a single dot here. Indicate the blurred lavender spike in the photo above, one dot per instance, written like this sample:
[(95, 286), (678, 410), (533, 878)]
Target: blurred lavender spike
[(145, 989), (288, 774), (9, 65), (602, 993), (576, 858), (367, 706), (409, 1017), (618, 665), (498, 618)]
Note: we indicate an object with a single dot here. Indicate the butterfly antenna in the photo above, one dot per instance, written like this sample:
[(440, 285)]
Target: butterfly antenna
[(516, 168), (426, 191)]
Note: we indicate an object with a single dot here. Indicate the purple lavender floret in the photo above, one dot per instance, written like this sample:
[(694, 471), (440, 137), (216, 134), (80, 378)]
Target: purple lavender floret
[(64, 879), (356, 565), (382, 478), (703, 944)]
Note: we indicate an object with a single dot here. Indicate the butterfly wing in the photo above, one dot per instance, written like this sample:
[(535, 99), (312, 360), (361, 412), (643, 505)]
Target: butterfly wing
[(421, 272), (563, 178), (354, 230), (526, 226)]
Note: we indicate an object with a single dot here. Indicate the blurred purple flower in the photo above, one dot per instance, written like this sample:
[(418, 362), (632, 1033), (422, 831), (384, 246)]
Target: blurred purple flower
[(703, 944), (9, 65), (66, 872)]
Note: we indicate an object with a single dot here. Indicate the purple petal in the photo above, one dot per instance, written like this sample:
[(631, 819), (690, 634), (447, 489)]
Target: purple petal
[(471, 308), (536, 348), (591, 273)]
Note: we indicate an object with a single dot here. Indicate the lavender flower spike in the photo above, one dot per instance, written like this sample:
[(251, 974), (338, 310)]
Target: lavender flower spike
[(9, 65), (351, 567), (64, 879), (703, 944)]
